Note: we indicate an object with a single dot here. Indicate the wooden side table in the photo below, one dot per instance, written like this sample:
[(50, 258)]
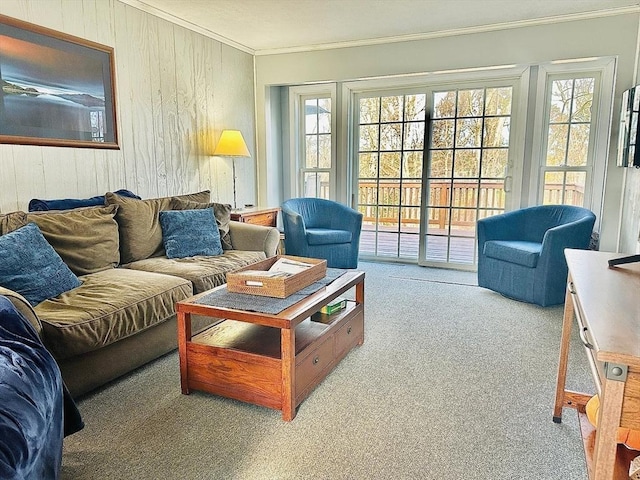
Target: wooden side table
[(258, 216), (604, 303)]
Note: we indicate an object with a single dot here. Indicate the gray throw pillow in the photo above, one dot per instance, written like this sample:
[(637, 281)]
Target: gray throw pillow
[(189, 233), (31, 267)]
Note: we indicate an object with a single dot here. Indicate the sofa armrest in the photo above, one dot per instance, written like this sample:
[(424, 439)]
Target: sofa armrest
[(245, 236), (24, 307)]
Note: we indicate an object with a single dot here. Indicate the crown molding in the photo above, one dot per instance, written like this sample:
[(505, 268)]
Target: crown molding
[(140, 5)]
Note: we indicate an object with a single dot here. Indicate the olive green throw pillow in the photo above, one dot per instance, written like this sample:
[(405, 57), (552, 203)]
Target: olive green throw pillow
[(222, 212), (139, 223), (86, 238)]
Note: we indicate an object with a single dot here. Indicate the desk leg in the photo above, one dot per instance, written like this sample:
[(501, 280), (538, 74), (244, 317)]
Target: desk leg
[(184, 335), (561, 380), (607, 432), (288, 357)]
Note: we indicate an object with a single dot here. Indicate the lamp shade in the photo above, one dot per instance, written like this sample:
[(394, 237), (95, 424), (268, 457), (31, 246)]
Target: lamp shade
[(231, 144)]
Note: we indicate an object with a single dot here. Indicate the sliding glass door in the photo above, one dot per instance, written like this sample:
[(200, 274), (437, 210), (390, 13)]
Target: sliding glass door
[(430, 164)]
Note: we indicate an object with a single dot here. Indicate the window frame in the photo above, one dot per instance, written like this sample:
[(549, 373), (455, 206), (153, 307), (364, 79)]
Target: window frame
[(298, 96)]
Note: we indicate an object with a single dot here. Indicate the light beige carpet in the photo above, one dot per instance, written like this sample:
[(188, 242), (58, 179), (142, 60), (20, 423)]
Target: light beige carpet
[(453, 382)]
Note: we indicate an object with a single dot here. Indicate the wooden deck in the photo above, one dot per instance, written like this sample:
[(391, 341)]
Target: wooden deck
[(405, 246)]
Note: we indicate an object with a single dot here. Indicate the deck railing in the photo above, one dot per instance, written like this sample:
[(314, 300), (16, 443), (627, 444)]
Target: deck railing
[(465, 195)]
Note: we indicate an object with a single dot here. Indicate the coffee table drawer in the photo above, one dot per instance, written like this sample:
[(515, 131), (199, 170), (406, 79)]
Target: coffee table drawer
[(350, 334), (314, 365)]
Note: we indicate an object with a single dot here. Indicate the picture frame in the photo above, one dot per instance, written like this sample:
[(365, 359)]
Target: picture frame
[(56, 89)]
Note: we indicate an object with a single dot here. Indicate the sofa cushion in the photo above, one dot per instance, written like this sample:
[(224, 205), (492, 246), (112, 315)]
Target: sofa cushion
[(36, 205), (514, 251), (31, 267), (222, 211), (204, 273), (110, 305), (325, 236), (189, 233), (139, 224), (85, 238), (12, 221)]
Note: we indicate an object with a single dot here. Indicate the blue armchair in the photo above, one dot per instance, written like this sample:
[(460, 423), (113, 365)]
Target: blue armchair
[(319, 228), (521, 253)]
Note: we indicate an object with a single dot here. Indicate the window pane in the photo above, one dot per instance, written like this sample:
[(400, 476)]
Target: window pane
[(442, 133), (415, 106), (561, 95), (465, 195), (439, 193), (390, 165), (310, 184), (494, 162), (414, 136), (467, 163), (391, 136), (498, 101), (324, 115), (583, 99), (368, 165), (369, 110), (409, 245), (491, 194), (441, 163), (437, 248), (311, 117), (578, 145), (574, 188), (470, 103), (324, 151), (311, 150), (411, 192), (496, 132), (323, 179), (444, 105), (461, 250), (392, 108), (367, 192), (368, 138), (557, 145), (468, 132), (553, 188), (388, 194), (412, 165), (388, 218)]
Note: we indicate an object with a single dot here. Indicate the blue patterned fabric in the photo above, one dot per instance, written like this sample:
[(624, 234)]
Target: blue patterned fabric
[(319, 228), (521, 253), (36, 411), (36, 205), (189, 233), (31, 267)]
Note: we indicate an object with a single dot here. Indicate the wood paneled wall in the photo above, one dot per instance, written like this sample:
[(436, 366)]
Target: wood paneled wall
[(176, 90)]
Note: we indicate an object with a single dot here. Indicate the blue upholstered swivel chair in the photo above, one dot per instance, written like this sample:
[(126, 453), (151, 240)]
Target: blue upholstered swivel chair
[(319, 228), (521, 253)]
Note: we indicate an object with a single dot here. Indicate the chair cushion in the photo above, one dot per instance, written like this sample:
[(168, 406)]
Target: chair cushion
[(325, 236), (514, 251), (204, 273), (109, 305), (190, 233), (31, 267)]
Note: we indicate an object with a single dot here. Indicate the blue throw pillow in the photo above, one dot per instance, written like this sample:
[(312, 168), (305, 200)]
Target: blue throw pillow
[(31, 267), (188, 233)]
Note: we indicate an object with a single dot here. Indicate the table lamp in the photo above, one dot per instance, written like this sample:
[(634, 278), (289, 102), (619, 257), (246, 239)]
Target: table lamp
[(232, 145)]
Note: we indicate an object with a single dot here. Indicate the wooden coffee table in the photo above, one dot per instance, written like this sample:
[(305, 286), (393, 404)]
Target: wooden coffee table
[(273, 360)]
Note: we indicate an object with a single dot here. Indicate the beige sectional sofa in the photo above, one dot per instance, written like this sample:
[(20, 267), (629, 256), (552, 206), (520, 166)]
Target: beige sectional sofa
[(123, 313)]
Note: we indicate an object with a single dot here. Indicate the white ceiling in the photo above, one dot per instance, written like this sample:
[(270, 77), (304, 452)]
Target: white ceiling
[(269, 26)]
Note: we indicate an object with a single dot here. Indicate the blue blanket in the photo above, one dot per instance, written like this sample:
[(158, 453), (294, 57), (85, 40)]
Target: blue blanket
[(36, 410)]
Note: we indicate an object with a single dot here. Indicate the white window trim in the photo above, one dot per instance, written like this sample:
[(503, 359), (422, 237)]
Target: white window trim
[(598, 153), (297, 97)]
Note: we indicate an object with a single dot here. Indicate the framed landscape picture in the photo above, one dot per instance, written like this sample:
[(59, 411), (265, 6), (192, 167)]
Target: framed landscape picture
[(56, 89)]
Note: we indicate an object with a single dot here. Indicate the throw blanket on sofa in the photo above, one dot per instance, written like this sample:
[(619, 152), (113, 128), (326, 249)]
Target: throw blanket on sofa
[(36, 411)]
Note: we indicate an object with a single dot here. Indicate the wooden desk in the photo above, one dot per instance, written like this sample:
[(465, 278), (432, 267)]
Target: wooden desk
[(606, 305), (258, 216)]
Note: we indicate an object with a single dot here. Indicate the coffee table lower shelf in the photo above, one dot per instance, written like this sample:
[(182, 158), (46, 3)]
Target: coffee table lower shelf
[(243, 361)]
